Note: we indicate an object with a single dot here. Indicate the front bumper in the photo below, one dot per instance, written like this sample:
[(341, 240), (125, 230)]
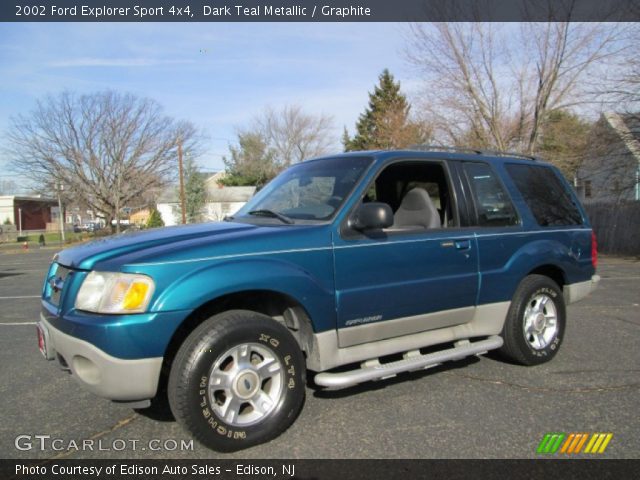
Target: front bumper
[(106, 376), (577, 291)]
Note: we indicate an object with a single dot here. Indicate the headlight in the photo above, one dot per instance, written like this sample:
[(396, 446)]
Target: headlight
[(111, 292)]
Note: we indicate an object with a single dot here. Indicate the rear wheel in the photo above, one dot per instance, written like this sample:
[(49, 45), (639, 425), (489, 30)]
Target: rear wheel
[(534, 327), (237, 380)]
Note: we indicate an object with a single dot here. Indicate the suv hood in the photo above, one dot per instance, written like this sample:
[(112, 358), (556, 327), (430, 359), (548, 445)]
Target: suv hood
[(180, 243)]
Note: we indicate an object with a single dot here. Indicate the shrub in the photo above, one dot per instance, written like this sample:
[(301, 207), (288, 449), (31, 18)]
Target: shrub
[(155, 219)]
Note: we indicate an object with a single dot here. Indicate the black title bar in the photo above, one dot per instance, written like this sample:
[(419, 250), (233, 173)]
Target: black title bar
[(582, 469), (318, 10)]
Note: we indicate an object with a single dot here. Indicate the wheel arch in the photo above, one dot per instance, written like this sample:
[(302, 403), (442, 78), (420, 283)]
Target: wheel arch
[(275, 304), (554, 272)]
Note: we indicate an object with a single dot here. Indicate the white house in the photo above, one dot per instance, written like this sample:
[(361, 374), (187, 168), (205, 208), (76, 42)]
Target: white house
[(611, 169), (221, 201)]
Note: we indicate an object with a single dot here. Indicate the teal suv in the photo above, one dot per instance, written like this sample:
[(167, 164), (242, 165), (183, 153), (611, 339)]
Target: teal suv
[(375, 262)]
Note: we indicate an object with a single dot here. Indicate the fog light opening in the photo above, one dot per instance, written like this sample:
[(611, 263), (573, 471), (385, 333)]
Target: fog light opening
[(86, 370)]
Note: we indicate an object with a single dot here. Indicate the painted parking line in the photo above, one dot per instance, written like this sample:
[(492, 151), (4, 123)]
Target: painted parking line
[(22, 268), (20, 296), (620, 278), (13, 324), (25, 264)]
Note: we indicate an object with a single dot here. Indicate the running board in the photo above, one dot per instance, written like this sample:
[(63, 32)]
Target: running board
[(374, 370)]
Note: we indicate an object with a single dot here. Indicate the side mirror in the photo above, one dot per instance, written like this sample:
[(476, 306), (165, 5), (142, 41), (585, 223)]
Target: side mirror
[(372, 216)]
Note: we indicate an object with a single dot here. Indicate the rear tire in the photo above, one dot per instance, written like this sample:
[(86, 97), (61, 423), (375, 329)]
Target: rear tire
[(237, 380), (535, 324)]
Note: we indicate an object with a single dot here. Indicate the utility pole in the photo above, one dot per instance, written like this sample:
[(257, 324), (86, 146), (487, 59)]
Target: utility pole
[(182, 203), (59, 189)]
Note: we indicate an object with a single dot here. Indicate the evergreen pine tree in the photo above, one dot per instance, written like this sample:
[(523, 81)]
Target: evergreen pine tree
[(564, 141), (251, 163), (345, 139), (385, 123), (155, 219), (195, 192)]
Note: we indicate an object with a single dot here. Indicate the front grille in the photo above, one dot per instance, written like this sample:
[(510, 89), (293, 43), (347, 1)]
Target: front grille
[(56, 283)]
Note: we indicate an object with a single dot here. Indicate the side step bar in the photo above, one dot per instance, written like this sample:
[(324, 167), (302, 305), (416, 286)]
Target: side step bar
[(411, 361)]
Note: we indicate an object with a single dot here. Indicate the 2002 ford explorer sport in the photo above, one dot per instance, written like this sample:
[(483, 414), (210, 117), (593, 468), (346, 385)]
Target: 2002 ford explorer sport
[(387, 261)]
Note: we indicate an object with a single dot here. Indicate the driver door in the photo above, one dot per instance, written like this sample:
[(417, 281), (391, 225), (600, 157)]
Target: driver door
[(401, 281)]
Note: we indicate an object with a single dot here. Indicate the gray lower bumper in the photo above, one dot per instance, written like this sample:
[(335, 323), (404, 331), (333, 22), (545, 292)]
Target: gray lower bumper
[(99, 372), (577, 291)]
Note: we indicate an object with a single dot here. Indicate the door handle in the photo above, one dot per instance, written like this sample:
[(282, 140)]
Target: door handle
[(459, 244), (462, 244)]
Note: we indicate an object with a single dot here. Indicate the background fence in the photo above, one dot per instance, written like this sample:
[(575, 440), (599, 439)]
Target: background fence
[(617, 226)]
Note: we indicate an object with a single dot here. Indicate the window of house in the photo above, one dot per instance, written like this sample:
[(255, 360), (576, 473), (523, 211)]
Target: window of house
[(492, 203), (587, 188), (545, 195)]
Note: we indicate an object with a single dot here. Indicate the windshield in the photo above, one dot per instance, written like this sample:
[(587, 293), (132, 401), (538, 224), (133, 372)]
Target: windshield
[(311, 190)]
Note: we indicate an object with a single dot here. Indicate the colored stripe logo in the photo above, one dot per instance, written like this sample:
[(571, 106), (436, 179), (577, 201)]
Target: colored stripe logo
[(574, 443)]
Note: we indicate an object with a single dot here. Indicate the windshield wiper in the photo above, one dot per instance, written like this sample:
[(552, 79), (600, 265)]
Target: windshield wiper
[(271, 213)]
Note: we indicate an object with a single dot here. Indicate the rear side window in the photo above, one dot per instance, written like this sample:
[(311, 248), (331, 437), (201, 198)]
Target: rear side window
[(493, 205), (545, 195)]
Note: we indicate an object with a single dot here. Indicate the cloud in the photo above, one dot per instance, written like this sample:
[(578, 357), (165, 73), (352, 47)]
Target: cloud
[(115, 62)]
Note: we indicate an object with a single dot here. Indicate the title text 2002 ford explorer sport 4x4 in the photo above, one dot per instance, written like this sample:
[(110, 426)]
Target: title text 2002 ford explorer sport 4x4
[(362, 259)]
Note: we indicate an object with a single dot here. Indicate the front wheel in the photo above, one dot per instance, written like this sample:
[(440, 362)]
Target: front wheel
[(238, 380), (534, 327)]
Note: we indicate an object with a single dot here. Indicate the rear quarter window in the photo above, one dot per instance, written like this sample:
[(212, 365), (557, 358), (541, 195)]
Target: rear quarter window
[(493, 205), (545, 195)]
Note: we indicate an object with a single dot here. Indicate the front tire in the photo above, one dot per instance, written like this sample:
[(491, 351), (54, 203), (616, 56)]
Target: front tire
[(237, 380), (535, 325)]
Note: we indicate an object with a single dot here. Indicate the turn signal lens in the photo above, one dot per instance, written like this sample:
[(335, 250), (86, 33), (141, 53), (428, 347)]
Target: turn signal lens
[(135, 296)]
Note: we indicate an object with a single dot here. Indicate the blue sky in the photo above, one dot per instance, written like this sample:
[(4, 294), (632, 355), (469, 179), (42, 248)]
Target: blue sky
[(216, 75)]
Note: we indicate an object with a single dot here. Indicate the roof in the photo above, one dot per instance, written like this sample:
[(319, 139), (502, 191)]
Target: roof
[(28, 198), (440, 153), (627, 126), (216, 192)]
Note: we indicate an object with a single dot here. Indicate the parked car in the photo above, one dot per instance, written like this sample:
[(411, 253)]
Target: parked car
[(375, 262), (91, 227)]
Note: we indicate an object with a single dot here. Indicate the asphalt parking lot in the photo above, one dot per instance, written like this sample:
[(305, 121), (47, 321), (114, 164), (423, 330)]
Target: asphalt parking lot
[(478, 408)]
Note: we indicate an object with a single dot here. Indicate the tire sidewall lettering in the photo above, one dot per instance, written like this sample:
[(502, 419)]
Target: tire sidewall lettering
[(550, 349), (209, 354)]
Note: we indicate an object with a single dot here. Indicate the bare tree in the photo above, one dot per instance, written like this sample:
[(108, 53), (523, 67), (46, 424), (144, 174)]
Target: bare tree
[(622, 90), (494, 86), (295, 135), (106, 148), (275, 140)]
